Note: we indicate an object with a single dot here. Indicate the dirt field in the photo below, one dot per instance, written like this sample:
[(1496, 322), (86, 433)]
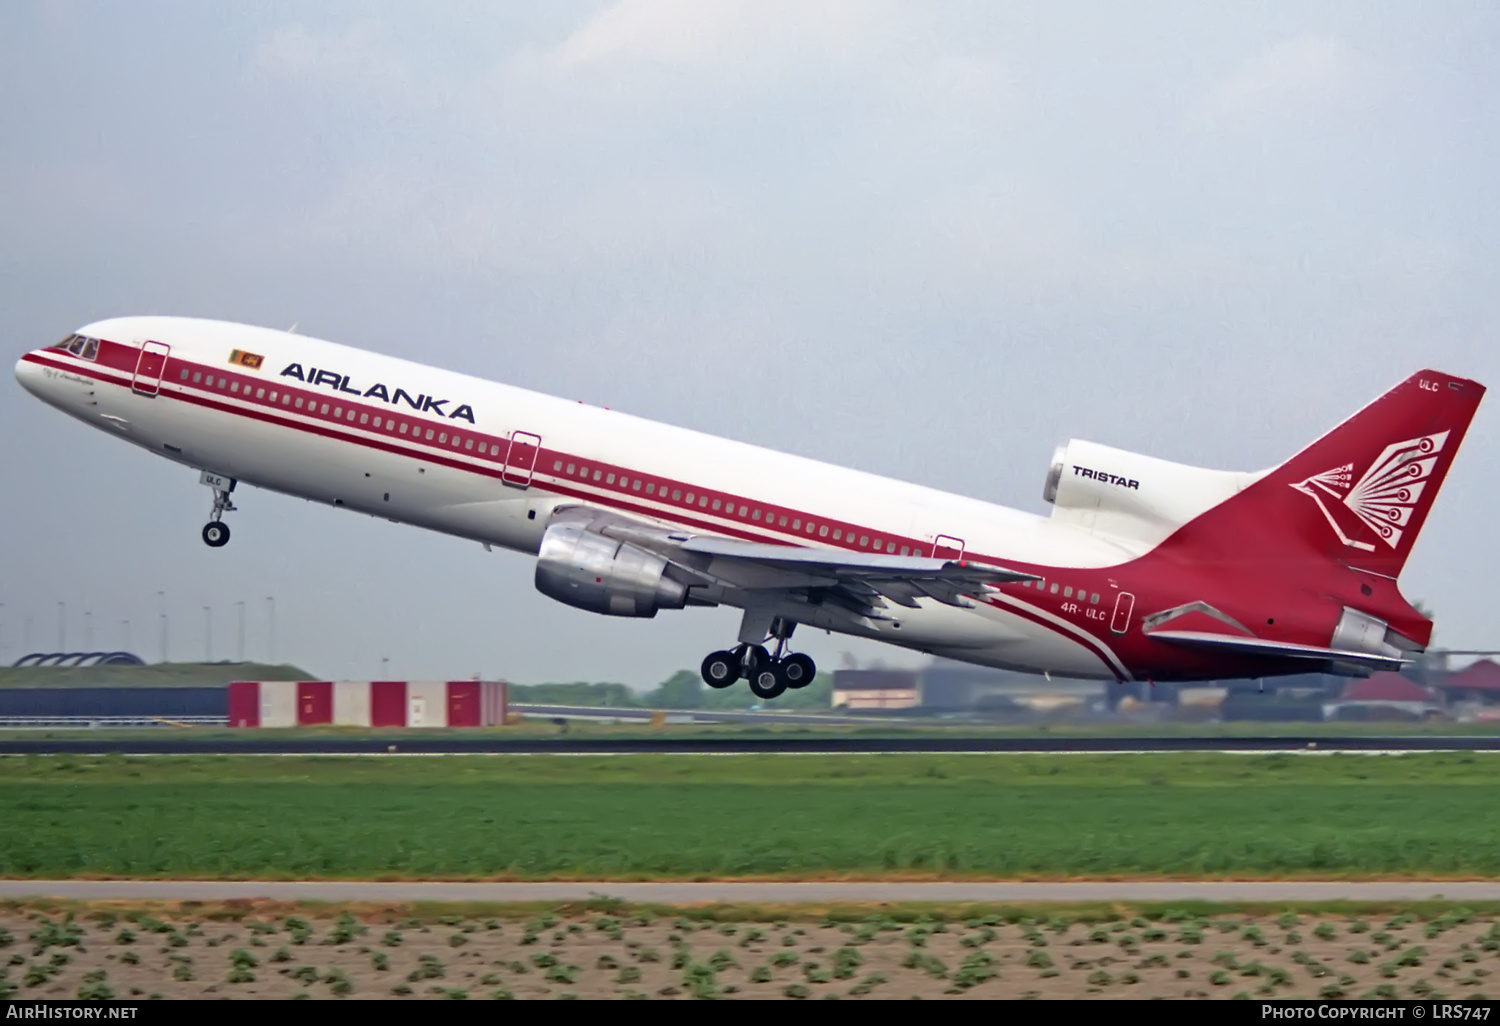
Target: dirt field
[(629, 955)]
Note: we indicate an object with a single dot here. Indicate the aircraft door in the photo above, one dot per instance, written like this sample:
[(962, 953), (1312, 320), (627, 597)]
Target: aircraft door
[(149, 367), (520, 459), (1124, 606), (948, 547)]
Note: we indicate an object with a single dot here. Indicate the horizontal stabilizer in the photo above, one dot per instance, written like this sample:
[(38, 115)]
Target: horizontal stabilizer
[(1248, 646)]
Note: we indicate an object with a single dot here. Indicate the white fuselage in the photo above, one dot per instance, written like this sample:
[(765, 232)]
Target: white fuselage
[(303, 422)]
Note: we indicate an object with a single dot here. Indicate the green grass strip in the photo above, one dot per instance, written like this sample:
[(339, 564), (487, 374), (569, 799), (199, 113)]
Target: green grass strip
[(685, 817)]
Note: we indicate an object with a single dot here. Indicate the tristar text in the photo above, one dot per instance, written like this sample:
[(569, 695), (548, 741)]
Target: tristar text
[(422, 403), (1099, 475)]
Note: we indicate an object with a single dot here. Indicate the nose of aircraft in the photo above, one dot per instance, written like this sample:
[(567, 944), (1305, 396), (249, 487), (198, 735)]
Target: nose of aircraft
[(29, 373)]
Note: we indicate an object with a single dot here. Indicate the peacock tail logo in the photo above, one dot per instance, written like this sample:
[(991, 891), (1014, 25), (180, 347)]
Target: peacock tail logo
[(1384, 499)]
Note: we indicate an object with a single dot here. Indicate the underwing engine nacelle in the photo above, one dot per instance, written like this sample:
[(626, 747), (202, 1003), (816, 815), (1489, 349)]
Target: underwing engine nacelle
[(581, 568)]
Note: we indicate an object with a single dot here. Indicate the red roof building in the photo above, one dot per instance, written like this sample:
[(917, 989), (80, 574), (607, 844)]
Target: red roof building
[(1386, 687), (1477, 682)]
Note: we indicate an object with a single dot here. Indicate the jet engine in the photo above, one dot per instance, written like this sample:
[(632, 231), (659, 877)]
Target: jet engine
[(1133, 497), (581, 568)]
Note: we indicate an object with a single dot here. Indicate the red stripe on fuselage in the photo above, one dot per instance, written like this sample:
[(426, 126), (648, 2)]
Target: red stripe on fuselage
[(120, 358)]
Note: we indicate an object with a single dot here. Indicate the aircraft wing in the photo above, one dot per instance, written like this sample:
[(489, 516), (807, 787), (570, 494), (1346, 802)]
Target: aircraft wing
[(861, 581), (1250, 646)]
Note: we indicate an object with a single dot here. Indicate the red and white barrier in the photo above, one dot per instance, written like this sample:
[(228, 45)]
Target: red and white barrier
[(367, 703)]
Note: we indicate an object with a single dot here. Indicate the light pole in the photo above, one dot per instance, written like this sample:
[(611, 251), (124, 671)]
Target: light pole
[(385, 662), (271, 634), (126, 625), (62, 626), (163, 597), (208, 634), (239, 652)]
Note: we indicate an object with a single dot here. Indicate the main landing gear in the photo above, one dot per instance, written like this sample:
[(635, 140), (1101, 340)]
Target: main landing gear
[(769, 674), (215, 533)]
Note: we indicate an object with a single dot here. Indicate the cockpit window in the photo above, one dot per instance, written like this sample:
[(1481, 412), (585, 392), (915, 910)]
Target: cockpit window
[(79, 346)]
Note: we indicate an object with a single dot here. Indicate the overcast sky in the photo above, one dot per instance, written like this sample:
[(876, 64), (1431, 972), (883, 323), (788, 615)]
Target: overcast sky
[(931, 241)]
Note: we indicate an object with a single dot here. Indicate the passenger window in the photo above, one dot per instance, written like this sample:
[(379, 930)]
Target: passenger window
[(651, 489), (890, 548), (428, 436), (717, 504), (338, 411), (364, 418), (906, 550), (676, 494), (755, 515), (456, 440), (324, 409), (703, 502), (823, 531), (1094, 599), (299, 402), (470, 444), (197, 377), (1068, 591), (260, 393), (443, 437), (287, 397), (598, 474), (610, 479), (691, 498), (635, 485), (797, 525), (376, 422), (555, 466), (1054, 587), (583, 471), (184, 374), (864, 541), (837, 535), (403, 426)]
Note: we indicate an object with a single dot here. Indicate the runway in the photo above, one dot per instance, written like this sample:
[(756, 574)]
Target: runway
[(771, 892), (293, 743)]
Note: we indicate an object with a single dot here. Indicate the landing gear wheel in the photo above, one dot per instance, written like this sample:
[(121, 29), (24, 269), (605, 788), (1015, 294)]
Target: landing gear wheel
[(799, 671), (216, 535), (721, 669), (768, 680), (752, 659)]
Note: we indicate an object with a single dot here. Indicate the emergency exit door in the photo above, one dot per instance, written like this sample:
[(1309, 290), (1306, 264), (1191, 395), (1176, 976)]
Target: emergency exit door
[(520, 459), (149, 367)]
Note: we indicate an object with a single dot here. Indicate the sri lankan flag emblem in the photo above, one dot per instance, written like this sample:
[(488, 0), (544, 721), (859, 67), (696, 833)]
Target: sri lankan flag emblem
[(244, 359)]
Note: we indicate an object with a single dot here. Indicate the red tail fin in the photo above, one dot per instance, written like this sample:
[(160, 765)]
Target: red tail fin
[(1360, 494), (1367, 485)]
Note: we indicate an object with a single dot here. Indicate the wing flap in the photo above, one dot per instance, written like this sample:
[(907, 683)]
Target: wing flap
[(865, 579)]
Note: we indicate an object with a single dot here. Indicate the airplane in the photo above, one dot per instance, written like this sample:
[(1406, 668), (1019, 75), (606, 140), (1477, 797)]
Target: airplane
[(1145, 570)]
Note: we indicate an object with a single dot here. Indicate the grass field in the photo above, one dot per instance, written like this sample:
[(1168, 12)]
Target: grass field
[(641, 817)]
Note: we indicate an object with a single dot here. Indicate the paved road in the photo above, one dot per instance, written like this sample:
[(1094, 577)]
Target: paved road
[(594, 712), (769, 893), (292, 743)]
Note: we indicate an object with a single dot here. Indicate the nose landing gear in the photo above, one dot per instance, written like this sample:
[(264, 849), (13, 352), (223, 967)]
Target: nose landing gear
[(768, 674), (215, 533)]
